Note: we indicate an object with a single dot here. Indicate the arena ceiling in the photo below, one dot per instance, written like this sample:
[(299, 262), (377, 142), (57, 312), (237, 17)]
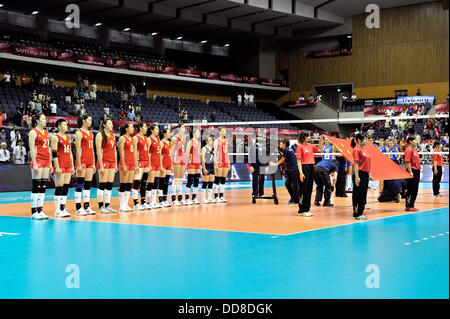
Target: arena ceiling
[(213, 20)]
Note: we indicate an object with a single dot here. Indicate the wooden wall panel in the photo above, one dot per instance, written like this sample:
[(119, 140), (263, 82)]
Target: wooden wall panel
[(411, 46)]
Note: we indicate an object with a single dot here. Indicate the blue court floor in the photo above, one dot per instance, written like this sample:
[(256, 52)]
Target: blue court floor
[(405, 256)]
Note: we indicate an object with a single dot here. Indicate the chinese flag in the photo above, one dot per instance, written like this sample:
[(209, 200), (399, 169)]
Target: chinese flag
[(381, 166)]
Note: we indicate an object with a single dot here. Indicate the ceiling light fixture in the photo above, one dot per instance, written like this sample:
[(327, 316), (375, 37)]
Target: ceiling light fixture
[(98, 24), (126, 29), (155, 33), (204, 41), (34, 12), (179, 38)]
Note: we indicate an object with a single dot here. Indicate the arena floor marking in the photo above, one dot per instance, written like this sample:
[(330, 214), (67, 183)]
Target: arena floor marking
[(130, 261), (240, 215)]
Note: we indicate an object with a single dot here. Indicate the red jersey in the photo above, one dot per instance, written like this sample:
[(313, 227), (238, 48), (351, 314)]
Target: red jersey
[(179, 146), (155, 150), (41, 145), (222, 151), (142, 147), (87, 147), (363, 158), (305, 153), (128, 149), (64, 151), (438, 158), (109, 148), (194, 155), (166, 153), (412, 156)]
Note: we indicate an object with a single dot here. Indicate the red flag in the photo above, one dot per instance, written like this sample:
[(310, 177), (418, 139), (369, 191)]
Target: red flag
[(381, 168)]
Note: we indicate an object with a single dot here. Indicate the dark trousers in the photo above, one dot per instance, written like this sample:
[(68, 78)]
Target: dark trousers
[(323, 182), (306, 188), (340, 184), (258, 182), (412, 187), (436, 180), (359, 195), (291, 184)]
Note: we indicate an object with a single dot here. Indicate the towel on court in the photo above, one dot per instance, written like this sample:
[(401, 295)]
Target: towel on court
[(382, 167)]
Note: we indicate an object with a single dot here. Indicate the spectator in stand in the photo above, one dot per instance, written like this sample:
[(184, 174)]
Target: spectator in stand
[(23, 81), (82, 110), (20, 113), (14, 136), (132, 90), (86, 83), (38, 106), (251, 99), (213, 116), (19, 153), (94, 87), (137, 118), (67, 95), (76, 108), (316, 135), (437, 134), (45, 80), (82, 96), (51, 81), (402, 126), (131, 114), (2, 135), (79, 81), (51, 133), (301, 97), (93, 95), (353, 96), (239, 99), (5, 156), (13, 79), (410, 127), (370, 132), (124, 97), (446, 138), (45, 108), (122, 114), (53, 108), (75, 93), (106, 114), (418, 92), (36, 80), (7, 79), (426, 133), (31, 108)]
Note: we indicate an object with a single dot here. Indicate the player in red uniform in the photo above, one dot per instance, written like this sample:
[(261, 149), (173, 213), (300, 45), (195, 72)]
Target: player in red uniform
[(194, 167), (40, 164), (438, 162), (85, 167), (128, 165), (179, 164), (105, 143), (221, 165), (141, 143), (155, 161), (166, 169), (63, 166)]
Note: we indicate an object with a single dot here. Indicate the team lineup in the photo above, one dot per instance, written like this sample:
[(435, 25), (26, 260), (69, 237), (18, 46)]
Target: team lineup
[(145, 165)]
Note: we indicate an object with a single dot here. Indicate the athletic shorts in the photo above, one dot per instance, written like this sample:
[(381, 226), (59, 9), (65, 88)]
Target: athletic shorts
[(107, 165), (144, 164), (64, 170), (167, 166), (41, 163), (156, 168), (194, 166), (130, 167), (210, 169), (179, 160), (224, 165)]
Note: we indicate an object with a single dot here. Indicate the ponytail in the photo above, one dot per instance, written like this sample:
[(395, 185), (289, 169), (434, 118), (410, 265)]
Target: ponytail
[(102, 130), (302, 136), (353, 143), (34, 119), (83, 118), (123, 128), (162, 133)]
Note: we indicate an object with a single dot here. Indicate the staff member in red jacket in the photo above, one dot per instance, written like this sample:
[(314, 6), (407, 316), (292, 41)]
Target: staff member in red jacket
[(360, 176), (305, 160), (438, 162), (412, 165)]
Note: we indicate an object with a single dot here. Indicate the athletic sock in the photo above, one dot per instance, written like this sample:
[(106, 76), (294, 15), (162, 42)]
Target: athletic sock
[(34, 195), (137, 183), (148, 192), (65, 191), (143, 189), (86, 193), (58, 193), (108, 191), (100, 194), (41, 195), (78, 192)]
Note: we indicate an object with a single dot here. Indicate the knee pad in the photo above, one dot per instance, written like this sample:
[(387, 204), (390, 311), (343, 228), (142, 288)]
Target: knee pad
[(149, 186), (137, 183), (43, 185), (80, 184), (66, 189), (210, 185), (168, 179), (196, 180), (156, 183), (122, 187), (129, 186), (190, 180), (36, 186), (217, 180), (223, 180), (87, 185), (102, 186), (109, 186), (144, 176)]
